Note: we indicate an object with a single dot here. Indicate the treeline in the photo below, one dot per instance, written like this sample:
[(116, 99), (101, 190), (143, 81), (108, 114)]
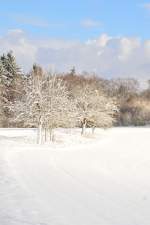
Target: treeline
[(42, 99)]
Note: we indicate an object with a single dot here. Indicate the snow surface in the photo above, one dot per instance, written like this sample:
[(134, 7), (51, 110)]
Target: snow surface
[(93, 180)]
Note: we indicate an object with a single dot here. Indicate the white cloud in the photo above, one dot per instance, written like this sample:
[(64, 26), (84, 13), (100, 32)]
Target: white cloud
[(29, 20), (23, 48), (127, 47), (146, 6), (107, 56), (101, 41), (33, 22), (90, 23)]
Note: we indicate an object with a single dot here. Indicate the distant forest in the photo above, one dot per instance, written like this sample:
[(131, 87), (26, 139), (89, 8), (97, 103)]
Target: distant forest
[(42, 99)]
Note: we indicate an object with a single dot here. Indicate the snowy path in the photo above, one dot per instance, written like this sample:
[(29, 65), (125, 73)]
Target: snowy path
[(101, 183)]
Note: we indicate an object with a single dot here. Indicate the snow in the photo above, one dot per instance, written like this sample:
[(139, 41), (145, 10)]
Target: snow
[(94, 180)]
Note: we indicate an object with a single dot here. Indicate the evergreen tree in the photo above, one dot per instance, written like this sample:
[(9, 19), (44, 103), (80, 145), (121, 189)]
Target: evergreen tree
[(72, 72), (3, 95), (11, 83), (10, 65), (12, 74)]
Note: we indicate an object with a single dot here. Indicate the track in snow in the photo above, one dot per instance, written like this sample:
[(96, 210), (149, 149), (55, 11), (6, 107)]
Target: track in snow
[(106, 182)]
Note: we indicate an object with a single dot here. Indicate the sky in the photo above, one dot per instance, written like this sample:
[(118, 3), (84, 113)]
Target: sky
[(110, 38), (80, 19)]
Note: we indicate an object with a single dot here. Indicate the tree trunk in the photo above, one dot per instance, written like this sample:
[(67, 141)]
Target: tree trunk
[(83, 128), (93, 129), (51, 134), (45, 134), (40, 134)]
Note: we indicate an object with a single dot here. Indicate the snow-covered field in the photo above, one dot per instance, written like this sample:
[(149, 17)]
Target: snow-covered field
[(100, 180)]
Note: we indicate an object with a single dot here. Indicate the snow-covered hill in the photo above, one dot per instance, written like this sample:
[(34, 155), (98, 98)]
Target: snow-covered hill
[(100, 180)]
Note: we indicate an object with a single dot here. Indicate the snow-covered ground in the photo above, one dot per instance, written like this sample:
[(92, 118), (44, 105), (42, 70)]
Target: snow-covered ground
[(100, 180)]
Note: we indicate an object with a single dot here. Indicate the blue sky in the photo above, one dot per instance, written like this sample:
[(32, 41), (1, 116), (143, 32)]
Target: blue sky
[(78, 19), (110, 38)]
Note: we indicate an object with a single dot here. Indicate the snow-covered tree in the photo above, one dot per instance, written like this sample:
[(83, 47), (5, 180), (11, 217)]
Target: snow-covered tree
[(3, 96), (10, 86), (94, 108), (12, 73), (60, 109), (10, 65), (45, 105)]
